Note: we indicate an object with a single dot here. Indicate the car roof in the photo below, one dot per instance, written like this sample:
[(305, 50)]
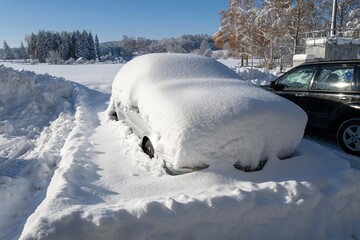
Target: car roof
[(164, 67), (322, 62)]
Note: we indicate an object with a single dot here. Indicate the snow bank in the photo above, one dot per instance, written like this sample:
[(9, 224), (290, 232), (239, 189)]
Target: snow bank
[(98, 77), (204, 114), (254, 75), (29, 101), (36, 116)]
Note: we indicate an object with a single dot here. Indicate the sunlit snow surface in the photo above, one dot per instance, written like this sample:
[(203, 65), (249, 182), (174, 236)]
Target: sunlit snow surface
[(81, 176)]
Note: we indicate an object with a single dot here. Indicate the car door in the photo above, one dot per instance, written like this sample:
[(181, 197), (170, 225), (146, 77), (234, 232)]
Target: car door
[(332, 91), (294, 85)]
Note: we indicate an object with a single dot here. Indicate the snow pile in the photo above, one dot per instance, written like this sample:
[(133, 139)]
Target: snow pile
[(36, 116), (204, 114), (29, 101), (98, 77), (256, 76)]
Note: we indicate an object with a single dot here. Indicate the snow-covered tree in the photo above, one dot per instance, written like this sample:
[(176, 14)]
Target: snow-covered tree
[(271, 28), (345, 7), (66, 44), (301, 21), (205, 49), (97, 47), (64, 47), (129, 43), (54, 57), (79, 45), (240, 29), (22, 52), (91, 47), (7, 52), (353, 23), (32, 45), (44, 44)]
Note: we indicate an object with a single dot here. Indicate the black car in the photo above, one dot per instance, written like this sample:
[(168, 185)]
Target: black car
[(329, 92)]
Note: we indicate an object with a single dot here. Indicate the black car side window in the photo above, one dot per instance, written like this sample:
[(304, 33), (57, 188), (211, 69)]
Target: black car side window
[(298, 79), (335, 78)]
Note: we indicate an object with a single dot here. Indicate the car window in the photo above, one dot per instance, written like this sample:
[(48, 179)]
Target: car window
[(297, 79), (335, 78), (357, 79)]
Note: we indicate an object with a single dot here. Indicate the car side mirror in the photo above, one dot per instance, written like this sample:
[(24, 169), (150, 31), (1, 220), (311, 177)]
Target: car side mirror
[(277, 86), (272, 84)]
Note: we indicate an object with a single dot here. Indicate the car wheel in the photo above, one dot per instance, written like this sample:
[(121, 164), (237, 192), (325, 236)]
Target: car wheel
[(348, 136), (148, 148)]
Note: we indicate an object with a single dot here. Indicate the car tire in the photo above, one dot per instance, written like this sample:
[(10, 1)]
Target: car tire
[(348, 136), (148, 148)]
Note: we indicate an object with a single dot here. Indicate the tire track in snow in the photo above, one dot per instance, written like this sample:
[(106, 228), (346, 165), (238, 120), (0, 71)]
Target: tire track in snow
[(25, 191), (12, 151), (75, 167), (25, 177)]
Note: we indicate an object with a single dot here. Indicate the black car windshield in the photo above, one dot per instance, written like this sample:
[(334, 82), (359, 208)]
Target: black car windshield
[(297, 79)]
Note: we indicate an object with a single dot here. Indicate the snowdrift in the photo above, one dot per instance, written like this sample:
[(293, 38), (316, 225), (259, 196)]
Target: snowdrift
[(254, 75), (29, 101), (36, 117)]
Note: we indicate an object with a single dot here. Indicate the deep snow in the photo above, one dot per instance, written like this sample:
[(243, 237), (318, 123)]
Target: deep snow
[(83, 176)]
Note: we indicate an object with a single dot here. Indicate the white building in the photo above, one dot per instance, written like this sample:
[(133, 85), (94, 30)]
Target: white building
[(333, 48)]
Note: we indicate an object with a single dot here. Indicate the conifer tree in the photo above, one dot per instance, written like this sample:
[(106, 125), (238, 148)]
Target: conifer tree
[(43, 45), (85, 44), (22, 52), (64, 48), (97, 47), (32, 45), (8, 54), (79, 45), (91, 47)]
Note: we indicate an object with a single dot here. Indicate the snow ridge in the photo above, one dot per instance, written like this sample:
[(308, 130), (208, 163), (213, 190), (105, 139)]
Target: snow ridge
[(32, 152)]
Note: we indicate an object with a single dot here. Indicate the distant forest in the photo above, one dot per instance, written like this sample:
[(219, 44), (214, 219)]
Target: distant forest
[(63, 47)]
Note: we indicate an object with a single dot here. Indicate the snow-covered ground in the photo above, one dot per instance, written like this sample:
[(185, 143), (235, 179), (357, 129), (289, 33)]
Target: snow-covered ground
[(67, 172)]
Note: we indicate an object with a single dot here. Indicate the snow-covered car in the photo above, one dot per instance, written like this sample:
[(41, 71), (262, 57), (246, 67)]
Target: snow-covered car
[(192, 112)]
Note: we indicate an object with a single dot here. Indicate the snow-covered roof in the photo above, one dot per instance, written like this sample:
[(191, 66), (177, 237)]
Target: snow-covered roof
[(205, 113)]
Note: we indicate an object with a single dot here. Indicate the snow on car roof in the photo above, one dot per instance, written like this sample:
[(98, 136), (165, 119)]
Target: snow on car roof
[(204, 112), (169, 66)]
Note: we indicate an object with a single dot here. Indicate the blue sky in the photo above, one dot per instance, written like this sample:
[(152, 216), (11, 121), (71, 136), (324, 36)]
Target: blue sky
[(109, 19)]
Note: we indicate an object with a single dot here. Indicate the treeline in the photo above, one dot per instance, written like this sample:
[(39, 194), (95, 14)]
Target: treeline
[(57, 46), (17, 53), (128, 47), (61, 47)]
